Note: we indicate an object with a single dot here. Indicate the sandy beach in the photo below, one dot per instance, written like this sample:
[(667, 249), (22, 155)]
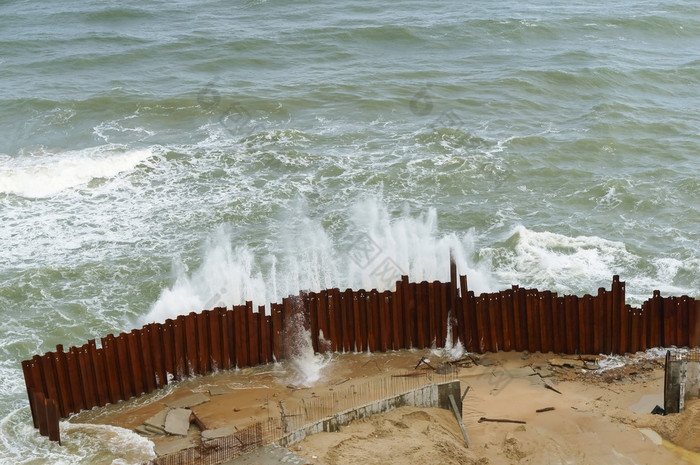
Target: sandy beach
[(593, 416)]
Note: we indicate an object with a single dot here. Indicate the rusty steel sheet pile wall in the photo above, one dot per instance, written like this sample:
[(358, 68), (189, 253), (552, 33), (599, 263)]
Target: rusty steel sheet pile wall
[(414, 315)]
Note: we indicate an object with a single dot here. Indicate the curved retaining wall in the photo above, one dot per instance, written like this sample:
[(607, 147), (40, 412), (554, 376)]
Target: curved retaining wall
[(415, 315)]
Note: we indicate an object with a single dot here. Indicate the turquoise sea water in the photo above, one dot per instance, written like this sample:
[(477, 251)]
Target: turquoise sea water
[(160, 157)]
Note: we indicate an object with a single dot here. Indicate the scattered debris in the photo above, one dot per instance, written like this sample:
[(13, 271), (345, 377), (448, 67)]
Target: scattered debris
[(455, 410), (658, 410), (565, 362), (424, 361), (546, 409), (551, 388), (501, 420), (465, 393)]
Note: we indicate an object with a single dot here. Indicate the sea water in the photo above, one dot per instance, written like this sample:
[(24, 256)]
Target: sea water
[(158, 158)]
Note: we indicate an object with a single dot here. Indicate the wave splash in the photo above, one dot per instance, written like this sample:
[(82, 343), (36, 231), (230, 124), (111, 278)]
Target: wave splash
[(49, 174)]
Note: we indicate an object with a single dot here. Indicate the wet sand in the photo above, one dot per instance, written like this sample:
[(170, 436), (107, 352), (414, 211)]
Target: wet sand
[(591, 420)]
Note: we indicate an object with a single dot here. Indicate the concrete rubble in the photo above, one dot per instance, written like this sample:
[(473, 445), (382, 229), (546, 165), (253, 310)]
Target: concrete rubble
[(177, 422)]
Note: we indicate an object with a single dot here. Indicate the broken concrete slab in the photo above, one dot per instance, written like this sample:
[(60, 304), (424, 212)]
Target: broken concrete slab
[(171, 447), (220, 390), (142, 431), (178, 421), (189, 401), (158, 420), (217, 433), (154, 430)]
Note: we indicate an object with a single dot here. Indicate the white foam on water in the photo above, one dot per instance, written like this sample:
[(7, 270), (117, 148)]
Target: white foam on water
[(557, 262), (227, 276), (609, 362), (49, 174), (121, 445), (378, 249), (307, 367)]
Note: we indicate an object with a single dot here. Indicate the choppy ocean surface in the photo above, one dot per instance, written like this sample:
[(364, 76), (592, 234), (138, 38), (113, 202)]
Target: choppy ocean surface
[(160, 157)]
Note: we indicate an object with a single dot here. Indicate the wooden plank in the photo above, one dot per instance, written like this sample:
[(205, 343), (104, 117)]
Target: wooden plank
[(386, 308), (684, 321), (112, 369), (483, 330), (644, 327), (583, 327), (571, 321), (546, 321), (179, 347), (432, 314), (533, 320), (29, 385), (397, 314), (191, 347), (410, 315), (48, 369), (215, 357), (357, 301), (669, 318), (77, 391), (616, 314), (446, 312), (156, 341), (458, 311), (87, 377), (98, 369), (559, 318), (506, 301), (373, 329), (277, 341), (203, 342), (149, 371), (135, 363), (265, 332), (52, 415), (624, 321), (634, 317), (457, 415), (334, 320), (518, 329), (657, 327), (168, 349), (323, 321), (495, 322), (345, 332), (40, 401), (313, 308), (418, 293), (694, 334), (65, 404), (253, 342)]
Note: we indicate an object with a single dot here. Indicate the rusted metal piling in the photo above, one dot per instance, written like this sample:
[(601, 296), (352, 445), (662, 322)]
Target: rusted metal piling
[(414, 315)]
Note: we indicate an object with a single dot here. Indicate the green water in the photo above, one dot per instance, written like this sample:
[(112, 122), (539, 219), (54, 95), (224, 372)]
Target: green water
[(158, 157)]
